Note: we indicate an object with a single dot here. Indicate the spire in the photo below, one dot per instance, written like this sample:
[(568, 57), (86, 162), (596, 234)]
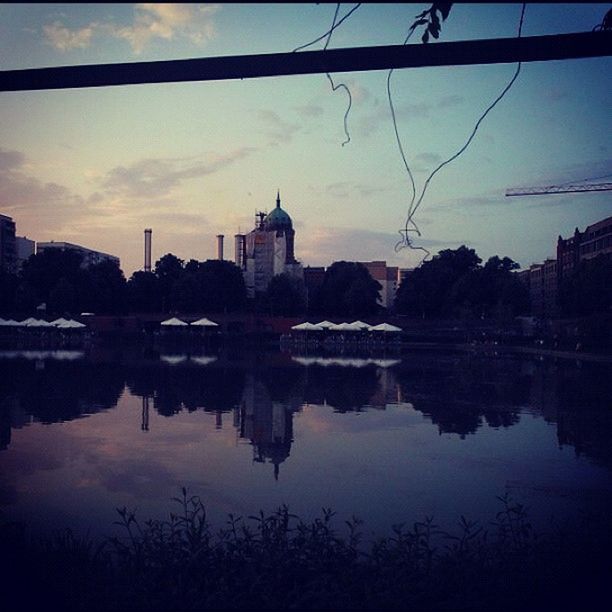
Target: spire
[(278, 198)]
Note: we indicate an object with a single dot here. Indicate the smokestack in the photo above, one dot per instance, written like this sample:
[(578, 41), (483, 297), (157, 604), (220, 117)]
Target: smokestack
[(147, 250), (239, 254), (220, 247)]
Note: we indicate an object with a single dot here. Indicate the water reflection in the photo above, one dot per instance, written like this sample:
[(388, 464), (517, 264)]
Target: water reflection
[(260, 394)]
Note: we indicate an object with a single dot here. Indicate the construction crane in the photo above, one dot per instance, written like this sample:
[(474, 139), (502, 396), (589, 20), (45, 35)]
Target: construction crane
[(566, 188)]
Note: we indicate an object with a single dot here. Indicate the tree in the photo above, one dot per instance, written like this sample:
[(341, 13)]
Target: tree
[(426, 292), (103, 288), (62, 297), (143, 292), (221, 286), (168, 270), (285, 295), (43, 271), (347, 290), (8, 287)]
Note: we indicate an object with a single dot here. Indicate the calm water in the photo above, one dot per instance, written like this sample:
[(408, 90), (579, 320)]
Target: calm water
[(388, 440)]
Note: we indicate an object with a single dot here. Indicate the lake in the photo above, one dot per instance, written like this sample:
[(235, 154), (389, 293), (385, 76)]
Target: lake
[(389, 439)]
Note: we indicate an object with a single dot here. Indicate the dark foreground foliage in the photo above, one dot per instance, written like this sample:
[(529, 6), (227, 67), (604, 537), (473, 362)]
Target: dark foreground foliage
[(277, 561)]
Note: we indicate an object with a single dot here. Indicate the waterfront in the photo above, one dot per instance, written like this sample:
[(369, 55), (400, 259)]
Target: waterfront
[(388, 440)]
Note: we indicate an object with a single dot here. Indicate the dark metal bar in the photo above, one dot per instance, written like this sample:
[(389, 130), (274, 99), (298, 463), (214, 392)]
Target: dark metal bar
[(523, 191), (490, 51)]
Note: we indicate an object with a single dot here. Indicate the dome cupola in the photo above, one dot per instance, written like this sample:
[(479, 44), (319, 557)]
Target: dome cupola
[(278, 219)]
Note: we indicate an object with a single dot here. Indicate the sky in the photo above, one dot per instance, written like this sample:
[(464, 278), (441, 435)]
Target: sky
[(96, 166)]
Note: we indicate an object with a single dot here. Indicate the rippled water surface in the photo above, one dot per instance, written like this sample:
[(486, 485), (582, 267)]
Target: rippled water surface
[(387, 439)]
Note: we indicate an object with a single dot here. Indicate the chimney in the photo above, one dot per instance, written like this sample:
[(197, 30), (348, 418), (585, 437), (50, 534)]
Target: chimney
[(239, 252), (220, 247), (147, 250)]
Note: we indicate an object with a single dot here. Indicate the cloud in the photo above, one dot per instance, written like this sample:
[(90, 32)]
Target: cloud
[(279, 130), (155, 178), (19, 191), (310, 110), (152, 21), (63, 39), (321, 246)]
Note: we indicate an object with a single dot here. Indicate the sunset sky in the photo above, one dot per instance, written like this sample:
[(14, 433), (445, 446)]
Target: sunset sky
[(97, 166)]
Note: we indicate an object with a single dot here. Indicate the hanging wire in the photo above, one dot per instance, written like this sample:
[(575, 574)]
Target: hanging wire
[(335, 87), (329, 32), (405, 241), (340, 85)]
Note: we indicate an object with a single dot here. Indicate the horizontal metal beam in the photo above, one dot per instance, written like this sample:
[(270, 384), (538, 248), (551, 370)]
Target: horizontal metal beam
[(524, 191), (490, 51)]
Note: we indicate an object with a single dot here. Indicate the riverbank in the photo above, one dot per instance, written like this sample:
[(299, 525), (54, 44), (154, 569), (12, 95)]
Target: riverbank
[(276, 561)]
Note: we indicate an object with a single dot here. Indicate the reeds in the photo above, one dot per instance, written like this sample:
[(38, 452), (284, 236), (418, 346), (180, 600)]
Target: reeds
[(277, 561)]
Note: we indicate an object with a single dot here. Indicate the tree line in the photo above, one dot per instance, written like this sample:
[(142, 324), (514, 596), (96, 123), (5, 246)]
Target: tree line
[(453, 284)]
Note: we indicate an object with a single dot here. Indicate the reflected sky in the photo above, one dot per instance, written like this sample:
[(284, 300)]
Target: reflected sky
[(439, 435)]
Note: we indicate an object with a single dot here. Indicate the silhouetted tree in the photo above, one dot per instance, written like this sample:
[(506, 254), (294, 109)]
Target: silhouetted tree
[(347, 290), (103, 288), (62, 298), (168, 269), (285, 296), (426, 292), (8, 287), (43, 272), (143, 292), (221, 286)]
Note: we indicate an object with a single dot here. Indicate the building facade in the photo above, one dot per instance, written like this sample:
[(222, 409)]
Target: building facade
[(268, 250), (90, 257), (8, 246), (595, 240), (25, 248), (388, 277)]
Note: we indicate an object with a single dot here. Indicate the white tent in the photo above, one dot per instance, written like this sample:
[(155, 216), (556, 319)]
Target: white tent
[(59, 321), (70, 324), (174, 322), (9, 323), (203, 359), (306, 326), (385, 327), (41, 323), (360, 325), (345, 327), (28, 322), (204, 322), (173, 359), (326, 324)]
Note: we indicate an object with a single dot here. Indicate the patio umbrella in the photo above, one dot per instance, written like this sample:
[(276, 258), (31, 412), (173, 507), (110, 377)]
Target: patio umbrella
[(174, 322), (385, 327), (204, 322), (306, 326), (70, 324)]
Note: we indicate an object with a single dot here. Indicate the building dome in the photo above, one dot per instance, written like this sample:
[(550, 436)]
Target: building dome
[(278, 219)]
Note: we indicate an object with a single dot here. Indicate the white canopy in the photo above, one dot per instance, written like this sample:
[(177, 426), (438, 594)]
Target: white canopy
[(326, 324), (58, 321), (9, 323), (41, 323), (345, 327), (174, 322), (173, 359), (70, 324), (360, 324), (385, 327), (307, 326), (202, 359), (204, 322), (29, 322)]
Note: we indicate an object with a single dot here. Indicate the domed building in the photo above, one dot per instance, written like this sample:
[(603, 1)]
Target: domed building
[(268, 250)]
